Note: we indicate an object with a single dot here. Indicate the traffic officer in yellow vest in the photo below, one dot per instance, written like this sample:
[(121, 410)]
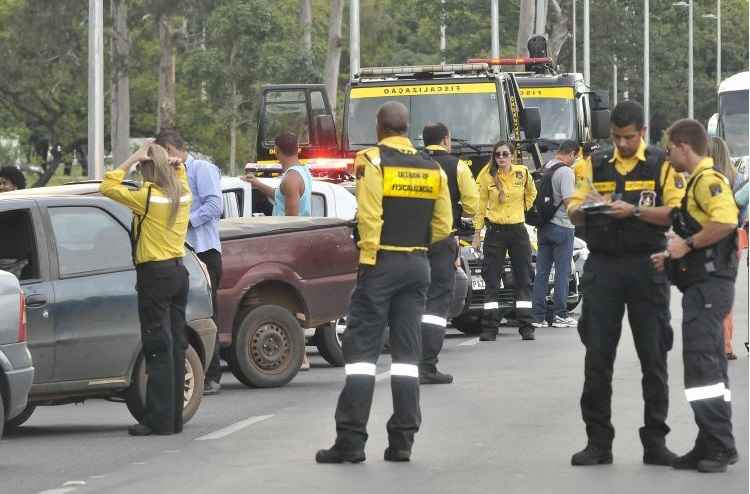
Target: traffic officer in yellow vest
[(506, 192), (621, 206), (403, 206), (701, 260), (443, 255)]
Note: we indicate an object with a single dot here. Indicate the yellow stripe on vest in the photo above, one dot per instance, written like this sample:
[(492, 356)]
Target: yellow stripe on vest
[(413, 183), (605, 187), (632, 185)]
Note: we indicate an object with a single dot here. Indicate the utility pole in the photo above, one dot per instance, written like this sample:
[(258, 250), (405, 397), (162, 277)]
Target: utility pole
[(646, 69), (540, 18), (354, 37), (96, 90), (443, 44), (614, 83), (690, 60), (575, 54), (587, 42), (495, 7)]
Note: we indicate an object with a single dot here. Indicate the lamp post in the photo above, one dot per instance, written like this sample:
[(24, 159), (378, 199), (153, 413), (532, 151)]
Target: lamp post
[(689, 5), (647, 69), (587, 42), (575, 55), (96, 90), (717, 16)]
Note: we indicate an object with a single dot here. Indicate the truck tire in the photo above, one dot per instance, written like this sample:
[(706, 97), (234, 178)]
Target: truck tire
[(13, 424), (328, 342), (135, 398), (267, 348), (468, 323)]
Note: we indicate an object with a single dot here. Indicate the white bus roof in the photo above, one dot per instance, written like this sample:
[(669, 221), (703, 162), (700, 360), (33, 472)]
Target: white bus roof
[(738, 82)]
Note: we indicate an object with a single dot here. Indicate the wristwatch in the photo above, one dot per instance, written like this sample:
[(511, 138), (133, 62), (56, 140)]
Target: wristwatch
[(689, 242), (637, 212)]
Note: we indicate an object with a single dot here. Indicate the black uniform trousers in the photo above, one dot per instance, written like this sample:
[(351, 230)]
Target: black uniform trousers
[(162, 296), (442, 257), (498, 240), (704, 306), (610, 284), (391, 292), (212, 259)]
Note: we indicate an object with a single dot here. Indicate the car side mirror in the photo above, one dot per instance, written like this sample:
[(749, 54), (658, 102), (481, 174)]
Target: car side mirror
[(712, 126), (531, 121), (600, 124), (325, 131)]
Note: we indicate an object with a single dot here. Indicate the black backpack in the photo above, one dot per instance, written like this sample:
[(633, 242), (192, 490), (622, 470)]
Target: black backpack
[(544, 207)]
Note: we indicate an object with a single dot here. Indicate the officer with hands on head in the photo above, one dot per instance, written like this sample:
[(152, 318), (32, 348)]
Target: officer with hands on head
[(701, 261), (403, 206), (623, 206), (443, 255)]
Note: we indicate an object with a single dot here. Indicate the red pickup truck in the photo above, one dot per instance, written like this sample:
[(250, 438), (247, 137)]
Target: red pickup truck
[(280, 274)]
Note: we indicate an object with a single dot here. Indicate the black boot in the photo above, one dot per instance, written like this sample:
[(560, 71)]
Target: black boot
[(714, 462), (334, 455), (527, 332), (430, 375), (688, 461), (659, 456), (396, 455), (592, 455), (488, 334)]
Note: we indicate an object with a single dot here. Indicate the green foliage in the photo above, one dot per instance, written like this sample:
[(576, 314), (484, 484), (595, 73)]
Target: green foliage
[(230, 48)]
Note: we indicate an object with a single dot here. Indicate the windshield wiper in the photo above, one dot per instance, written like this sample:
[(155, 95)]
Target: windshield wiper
[(466, 143)]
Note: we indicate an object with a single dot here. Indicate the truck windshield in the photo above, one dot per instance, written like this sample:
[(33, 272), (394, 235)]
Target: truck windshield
[(734, 121), (470, 111), (558, 117)]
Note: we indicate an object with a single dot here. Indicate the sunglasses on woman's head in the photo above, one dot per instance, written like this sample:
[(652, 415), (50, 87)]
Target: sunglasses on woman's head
[(502, 154)]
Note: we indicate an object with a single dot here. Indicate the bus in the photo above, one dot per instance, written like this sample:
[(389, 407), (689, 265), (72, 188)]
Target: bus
[(731, 123)]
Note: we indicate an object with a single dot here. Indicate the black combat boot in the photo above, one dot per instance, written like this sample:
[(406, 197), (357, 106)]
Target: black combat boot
[(592, 455), (527, 332), (688, 461), (396, 455), (430, 375), (334, 455), (659, 456), (715, 462)]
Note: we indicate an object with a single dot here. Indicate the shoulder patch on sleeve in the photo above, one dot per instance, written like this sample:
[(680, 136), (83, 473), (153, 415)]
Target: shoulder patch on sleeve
[(714, 189)]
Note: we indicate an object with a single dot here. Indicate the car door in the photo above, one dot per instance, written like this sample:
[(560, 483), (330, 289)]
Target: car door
[(96, 315), (23, 251)]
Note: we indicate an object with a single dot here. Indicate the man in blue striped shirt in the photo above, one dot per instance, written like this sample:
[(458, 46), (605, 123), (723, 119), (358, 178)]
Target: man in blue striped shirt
[(203, 232)]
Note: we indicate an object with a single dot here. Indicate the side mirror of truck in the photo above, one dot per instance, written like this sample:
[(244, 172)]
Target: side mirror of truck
[(325, 131), (600, 124), (531, 122), (712, 126), (599, 100)]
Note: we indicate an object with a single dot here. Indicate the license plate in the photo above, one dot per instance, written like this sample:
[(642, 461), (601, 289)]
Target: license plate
[(477, 283)]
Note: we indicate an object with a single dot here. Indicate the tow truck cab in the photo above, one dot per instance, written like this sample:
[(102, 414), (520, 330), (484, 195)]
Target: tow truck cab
[(567, 108)]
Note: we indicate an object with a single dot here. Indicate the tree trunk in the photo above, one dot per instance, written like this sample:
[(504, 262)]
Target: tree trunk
[(167, 100), (120, 94), (305, 18), (526, 17), (333, 59), (558, 30), (50, 166)]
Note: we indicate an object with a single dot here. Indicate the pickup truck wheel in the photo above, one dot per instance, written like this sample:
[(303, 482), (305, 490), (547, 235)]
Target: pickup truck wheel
[(468, 324), (135, 397), (328, 341), (268, 347), (20, 419)]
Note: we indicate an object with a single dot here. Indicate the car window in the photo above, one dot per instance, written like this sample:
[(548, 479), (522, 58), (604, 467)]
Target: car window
[(18, 254), (88, 240), (318, 205), (232, 203), (285, 111)]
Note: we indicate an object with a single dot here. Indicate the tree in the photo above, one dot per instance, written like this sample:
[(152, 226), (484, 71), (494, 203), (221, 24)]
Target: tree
[(120, 91), (333, 60), (306, 21)]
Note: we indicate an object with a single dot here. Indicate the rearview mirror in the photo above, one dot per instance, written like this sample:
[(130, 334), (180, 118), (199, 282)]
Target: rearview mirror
[(531, 122), (325, 131), (712, 126), (600, 124)]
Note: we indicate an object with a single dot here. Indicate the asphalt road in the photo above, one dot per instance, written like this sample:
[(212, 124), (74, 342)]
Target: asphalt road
[(508, 424)]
